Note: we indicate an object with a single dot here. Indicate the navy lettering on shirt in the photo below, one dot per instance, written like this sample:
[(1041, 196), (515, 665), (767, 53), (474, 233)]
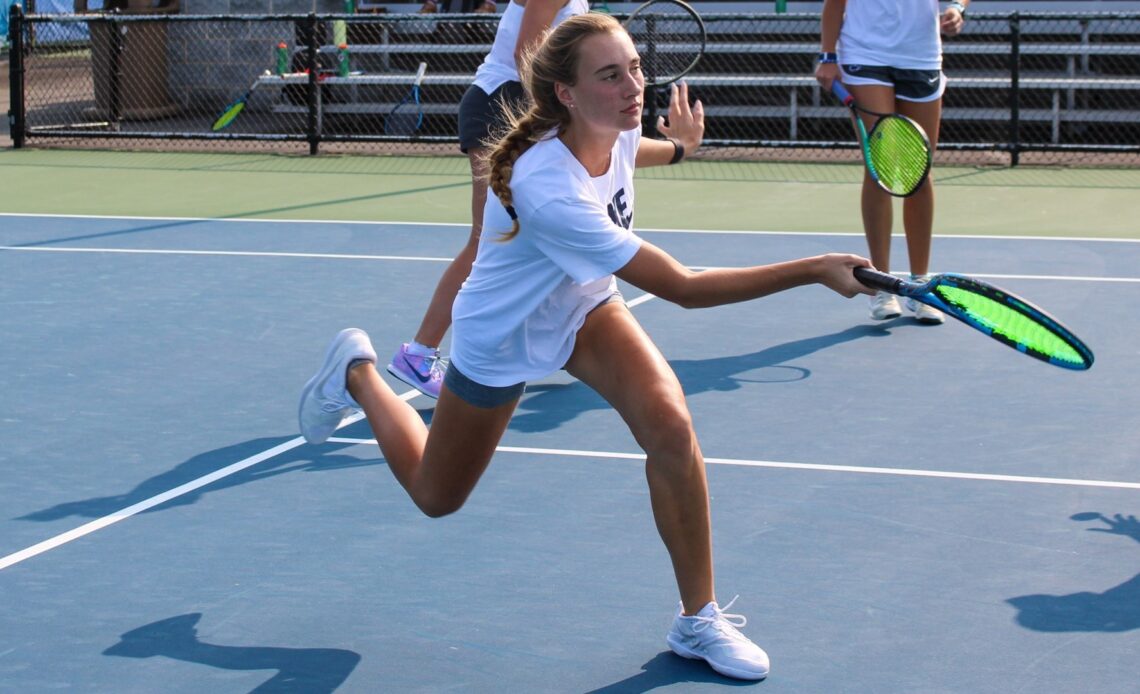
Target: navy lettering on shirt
[(619, 210)]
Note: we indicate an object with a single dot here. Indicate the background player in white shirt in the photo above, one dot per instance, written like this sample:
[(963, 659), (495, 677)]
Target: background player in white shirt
[(497, 80), (542, 288), (889, 56)]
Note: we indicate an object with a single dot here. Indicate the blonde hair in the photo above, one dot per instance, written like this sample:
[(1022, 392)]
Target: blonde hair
[(554, 60)]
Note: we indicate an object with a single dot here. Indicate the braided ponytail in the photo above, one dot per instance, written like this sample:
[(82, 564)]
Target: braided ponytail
[(554, 60)]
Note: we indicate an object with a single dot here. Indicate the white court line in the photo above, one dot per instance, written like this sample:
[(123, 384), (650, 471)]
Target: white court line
[(123, 514), (431, 259), (252, 254), (757, 232), (903, 472)]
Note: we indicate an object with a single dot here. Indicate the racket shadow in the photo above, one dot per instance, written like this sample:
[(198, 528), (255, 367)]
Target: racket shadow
[(549, 406)]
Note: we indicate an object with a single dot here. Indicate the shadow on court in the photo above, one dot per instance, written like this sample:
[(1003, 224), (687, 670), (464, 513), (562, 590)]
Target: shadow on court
[(315, 670), (551, 406), (665, 669), (1116, 609), (301, 459)]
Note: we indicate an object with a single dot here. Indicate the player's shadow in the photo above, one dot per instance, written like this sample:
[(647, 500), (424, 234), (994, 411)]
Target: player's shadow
[(299, 459), (1116, 609), (666, 669), (309, 670), (549, 406)]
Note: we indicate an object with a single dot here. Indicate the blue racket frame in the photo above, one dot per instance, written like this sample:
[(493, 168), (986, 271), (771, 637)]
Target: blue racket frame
[(924, 292)]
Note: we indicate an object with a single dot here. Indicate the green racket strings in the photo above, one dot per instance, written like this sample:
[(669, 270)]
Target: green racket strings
[(1010, 324), (228, 117), (899, 155)]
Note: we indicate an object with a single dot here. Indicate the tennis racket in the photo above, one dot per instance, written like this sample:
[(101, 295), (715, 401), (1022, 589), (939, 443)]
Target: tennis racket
[(408, 115), (1002, 315), (670, 38), (230, 112), (896, 151)]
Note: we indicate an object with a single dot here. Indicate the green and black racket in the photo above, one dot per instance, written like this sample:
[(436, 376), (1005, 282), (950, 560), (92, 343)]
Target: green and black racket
[(996, 312), (234, 109), (896, 151)]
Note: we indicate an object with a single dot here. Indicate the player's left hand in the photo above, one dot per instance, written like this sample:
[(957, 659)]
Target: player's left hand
[(685, 123), (951, 22)]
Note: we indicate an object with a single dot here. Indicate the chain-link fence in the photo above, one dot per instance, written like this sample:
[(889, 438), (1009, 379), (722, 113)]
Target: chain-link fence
[(1046, 87)]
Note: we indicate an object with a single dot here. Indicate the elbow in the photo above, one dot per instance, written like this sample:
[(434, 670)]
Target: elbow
[(682, 296)]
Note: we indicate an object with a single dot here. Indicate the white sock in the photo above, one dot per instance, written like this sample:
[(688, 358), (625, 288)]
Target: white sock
[(420, 350)]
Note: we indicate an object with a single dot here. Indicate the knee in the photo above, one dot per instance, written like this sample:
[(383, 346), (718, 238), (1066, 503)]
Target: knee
[(670, 435), (438, 508), (439, 503)]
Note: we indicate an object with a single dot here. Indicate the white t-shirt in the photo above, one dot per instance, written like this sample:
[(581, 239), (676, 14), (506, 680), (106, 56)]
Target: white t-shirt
[(499, 66), (895, 33), (516, 317)]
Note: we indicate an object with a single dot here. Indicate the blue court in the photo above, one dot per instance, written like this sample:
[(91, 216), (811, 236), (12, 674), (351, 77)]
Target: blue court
[(901, 508)]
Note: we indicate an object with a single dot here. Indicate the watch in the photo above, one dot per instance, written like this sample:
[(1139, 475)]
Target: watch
[(957, 6), (825, 57)]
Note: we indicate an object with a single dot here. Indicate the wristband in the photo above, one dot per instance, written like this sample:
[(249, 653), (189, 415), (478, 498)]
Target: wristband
[(957, 6), (825, 57), (678, 151)]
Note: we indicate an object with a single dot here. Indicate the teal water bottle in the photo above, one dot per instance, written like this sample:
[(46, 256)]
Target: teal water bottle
[(342, 64), (781, 6), (282, 58)]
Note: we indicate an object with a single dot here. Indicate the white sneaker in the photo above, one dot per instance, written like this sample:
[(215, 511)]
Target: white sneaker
[(885, 306), (923, 313), (711, 635), (324, 399)]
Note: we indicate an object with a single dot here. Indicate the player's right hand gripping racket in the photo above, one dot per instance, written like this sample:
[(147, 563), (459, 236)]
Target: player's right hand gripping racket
[(896, 151), (670, 38), (1002, 315), (408, 115)]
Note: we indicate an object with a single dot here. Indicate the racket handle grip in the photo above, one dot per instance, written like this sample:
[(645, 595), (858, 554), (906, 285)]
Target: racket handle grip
[(878, 280), (841, 93)]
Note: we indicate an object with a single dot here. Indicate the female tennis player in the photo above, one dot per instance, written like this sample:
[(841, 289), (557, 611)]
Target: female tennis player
[(497, 82), (889, 56), (542, 296)]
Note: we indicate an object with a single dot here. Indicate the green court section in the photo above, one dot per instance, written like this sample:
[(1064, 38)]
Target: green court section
[(728, 195)]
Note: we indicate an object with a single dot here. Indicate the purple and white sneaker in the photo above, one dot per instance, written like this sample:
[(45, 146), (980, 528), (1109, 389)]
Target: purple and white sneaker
[(424, 373)]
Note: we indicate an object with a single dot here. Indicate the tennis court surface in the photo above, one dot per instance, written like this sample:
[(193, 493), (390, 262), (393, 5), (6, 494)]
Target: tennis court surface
[(901, 508)]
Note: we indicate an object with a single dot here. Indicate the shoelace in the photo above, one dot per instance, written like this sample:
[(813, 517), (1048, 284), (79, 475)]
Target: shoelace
[(721, 617), (431, 361)]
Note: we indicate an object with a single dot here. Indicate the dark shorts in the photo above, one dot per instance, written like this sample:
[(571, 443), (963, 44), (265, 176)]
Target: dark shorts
[(909, 85), (481, 114), (489, 397), (478, 394)]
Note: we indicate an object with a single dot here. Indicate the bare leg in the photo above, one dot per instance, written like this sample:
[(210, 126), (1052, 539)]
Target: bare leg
[(439, 469), (437, 318), (918, 209), (649, 398), (875, 203)]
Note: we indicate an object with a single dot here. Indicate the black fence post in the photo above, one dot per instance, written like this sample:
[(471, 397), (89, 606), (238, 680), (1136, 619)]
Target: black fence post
[(312, 128), (115, 70), (17, 107), (1015, 89)]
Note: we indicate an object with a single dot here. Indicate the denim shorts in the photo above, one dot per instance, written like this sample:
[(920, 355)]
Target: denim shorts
[(910, 85), (481, 114), (488, 397)]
